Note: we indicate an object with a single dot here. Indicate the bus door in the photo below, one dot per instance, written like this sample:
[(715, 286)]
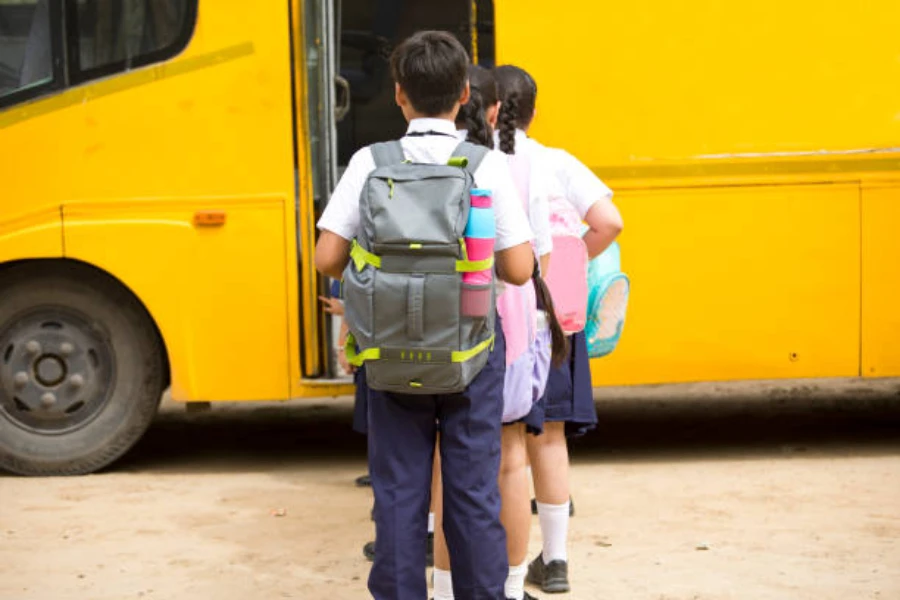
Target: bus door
[(314, 27), (351, 78)]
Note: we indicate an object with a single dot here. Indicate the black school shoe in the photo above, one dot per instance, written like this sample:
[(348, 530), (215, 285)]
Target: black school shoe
[(534, 510), (369, 551), (552, 578), (363, 481)]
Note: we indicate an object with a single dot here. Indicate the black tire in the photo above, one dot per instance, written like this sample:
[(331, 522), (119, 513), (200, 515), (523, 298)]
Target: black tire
[(114, 343)]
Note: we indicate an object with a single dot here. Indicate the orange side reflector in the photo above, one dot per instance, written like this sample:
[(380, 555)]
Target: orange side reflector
[(209, 218)]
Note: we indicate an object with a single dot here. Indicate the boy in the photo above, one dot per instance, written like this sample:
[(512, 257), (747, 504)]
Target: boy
[(429, 71)]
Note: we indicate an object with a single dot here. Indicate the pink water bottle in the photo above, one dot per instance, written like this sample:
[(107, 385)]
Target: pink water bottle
[(479, 239)]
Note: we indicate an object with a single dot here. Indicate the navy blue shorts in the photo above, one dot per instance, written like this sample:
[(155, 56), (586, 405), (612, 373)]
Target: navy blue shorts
[(534, 420), (570, 396)]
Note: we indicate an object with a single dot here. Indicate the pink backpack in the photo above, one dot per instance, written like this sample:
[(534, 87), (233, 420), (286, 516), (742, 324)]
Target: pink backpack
[(567, 278)]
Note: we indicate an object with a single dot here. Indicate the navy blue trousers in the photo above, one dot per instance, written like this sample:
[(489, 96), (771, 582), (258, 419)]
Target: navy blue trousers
[(402, 431), (361, 402)]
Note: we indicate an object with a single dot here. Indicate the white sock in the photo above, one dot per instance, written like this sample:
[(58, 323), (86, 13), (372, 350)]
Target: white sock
[(515, 582), (554, 520), (430, 522), (443, 585)]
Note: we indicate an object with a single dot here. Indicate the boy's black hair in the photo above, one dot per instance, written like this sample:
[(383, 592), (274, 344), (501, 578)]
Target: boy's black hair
[(518, 93), (483, 94), (430, 66)]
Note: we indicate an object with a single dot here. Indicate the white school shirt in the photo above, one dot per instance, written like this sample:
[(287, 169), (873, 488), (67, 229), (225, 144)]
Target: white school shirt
[(542, 186), (580, 186), (341, 216)]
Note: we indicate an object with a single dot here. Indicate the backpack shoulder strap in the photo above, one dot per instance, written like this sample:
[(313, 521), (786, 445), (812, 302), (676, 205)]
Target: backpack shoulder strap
[(473, 154), (387, 153)]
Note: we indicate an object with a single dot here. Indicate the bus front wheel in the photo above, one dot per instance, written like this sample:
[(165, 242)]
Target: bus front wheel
[(81, 370)]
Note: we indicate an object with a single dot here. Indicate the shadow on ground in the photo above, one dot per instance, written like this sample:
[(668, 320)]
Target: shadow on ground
[(705, 422)]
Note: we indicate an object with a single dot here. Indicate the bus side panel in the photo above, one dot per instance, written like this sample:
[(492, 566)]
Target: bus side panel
[(34, 158), (217, 137), (217, 293), (34, 235), (881, 280), (641, 82), (739, 283)]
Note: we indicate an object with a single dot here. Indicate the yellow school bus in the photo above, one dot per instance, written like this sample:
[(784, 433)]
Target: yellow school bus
[(163, 162)]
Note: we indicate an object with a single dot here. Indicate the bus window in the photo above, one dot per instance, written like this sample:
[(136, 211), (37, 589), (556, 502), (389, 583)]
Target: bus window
[(103, 37), (117, 36), (26, 61)]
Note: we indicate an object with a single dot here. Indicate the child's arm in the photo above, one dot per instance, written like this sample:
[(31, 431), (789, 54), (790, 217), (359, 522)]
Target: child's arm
[(544, 261), (340, 221), (605, 224), (515, 265), (332, 254), (593, 200)]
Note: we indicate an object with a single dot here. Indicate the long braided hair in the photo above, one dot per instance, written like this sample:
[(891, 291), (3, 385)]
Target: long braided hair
[(518, 93), (471, 117)]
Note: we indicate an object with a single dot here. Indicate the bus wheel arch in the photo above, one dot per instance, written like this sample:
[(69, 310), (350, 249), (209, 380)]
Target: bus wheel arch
[(82, 368)]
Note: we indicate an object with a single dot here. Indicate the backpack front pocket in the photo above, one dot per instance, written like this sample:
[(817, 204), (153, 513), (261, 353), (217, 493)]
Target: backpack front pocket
[(416, 333)]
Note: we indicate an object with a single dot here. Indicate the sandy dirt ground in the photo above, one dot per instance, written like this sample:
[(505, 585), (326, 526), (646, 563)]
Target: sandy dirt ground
[(761, 491)]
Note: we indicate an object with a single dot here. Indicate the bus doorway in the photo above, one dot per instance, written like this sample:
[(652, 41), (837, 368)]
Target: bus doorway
[(365, 34)]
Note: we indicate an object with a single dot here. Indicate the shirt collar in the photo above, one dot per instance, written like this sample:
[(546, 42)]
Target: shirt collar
[(436, 125)]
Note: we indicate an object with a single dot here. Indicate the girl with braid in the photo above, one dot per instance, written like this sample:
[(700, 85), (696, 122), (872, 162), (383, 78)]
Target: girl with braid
[(568, 402), (477, 119)]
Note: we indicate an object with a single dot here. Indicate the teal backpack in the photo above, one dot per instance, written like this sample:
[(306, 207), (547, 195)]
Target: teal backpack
[(608, 289)]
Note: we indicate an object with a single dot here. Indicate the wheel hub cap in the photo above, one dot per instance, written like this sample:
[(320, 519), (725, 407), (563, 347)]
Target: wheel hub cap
[(50, 370), (56, 371)]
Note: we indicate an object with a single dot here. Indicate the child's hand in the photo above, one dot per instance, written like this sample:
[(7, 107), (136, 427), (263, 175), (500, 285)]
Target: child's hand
[(342, 360), (332, 306)]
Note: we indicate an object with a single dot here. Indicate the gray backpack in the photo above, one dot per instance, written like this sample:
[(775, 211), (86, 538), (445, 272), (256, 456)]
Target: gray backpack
[(403, 284)]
